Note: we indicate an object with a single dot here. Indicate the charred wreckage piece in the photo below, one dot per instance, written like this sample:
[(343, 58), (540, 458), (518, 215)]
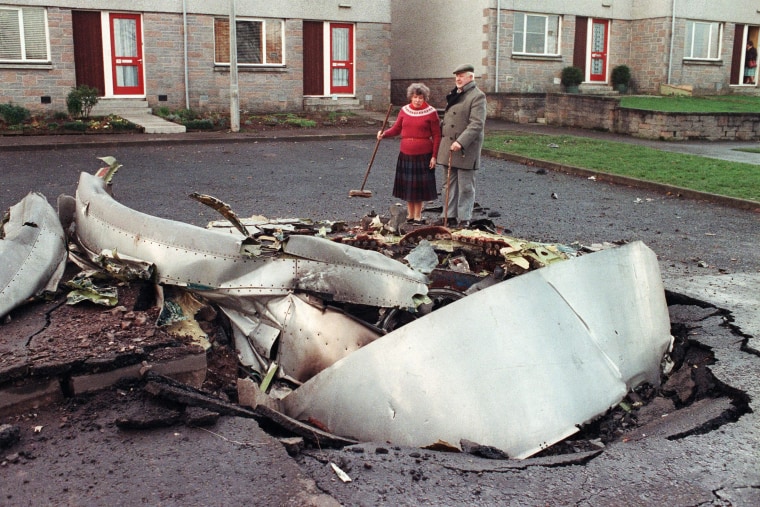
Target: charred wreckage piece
[(524, 360)]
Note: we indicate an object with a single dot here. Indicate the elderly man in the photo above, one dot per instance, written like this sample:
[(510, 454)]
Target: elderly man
[(462, 138)]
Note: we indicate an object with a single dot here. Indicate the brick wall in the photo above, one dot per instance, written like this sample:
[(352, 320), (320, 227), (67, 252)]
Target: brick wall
[(25, 86), (517, 107), (649, 54), (704, 76), (260, 89), (163, 56), (603, 113), (682, 127), (525, 74), (373, 65)]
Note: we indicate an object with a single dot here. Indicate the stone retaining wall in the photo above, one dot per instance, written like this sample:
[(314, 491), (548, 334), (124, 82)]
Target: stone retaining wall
[(605, 114)]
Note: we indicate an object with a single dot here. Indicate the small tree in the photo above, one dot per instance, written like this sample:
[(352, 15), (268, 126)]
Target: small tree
[(81, 100)]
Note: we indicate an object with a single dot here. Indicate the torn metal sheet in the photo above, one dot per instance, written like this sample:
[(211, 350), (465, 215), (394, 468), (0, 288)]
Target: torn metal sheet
[(516, 366), (212, 264), (302, 335), (32, 251)]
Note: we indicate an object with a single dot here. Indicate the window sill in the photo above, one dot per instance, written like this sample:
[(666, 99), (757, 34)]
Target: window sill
[(30, 66), (226, 68), (547, 58), (690, 61)]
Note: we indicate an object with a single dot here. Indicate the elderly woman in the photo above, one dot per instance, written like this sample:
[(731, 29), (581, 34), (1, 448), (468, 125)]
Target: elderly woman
[(420, 131)]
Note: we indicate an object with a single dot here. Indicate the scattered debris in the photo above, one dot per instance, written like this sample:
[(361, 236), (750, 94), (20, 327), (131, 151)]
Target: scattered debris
[(343, 476), (338, 337)]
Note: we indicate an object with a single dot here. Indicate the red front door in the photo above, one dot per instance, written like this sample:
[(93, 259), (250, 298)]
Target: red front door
[(341, 59), (126, 54), (599, 44)]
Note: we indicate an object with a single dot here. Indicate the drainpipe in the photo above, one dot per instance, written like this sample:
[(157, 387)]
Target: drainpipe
[(498, 26), (184, 30), (234, 90), (672, 39)]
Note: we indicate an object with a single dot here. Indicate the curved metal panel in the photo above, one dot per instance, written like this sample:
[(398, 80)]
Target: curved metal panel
[(33, 252), (516, 366), (210, 262)]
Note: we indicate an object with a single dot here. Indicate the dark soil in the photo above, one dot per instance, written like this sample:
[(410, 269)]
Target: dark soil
[(59, 124)]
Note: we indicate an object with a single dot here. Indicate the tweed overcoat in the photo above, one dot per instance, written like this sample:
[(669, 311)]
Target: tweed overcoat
[(464, 121)]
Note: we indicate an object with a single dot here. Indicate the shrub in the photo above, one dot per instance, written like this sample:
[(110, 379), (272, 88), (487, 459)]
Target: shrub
[(621, 75), (199, 124), (301, 122), (120, 124), (60, 115), (81, 100), (77, 126), (163, 111), (52, 126), (571, 76), (14, 115)]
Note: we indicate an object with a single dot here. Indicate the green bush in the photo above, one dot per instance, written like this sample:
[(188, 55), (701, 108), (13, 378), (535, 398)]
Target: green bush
[(199, 124), (120, 124), (163, 111), (301, 122), (81, 100), (14, 115), (76, 126), (52, 126), (60, 115), (571, 76)]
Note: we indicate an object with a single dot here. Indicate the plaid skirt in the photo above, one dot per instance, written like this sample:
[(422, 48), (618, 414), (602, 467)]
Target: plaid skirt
[(414, 181)]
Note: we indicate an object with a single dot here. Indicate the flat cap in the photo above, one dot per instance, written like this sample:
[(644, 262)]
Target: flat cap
[(464, 68)]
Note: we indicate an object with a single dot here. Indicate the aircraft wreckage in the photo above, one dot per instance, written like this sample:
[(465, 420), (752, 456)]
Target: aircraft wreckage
[(517, 365)]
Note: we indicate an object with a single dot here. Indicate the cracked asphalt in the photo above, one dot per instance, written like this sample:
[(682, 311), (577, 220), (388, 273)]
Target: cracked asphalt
[(708, 256)]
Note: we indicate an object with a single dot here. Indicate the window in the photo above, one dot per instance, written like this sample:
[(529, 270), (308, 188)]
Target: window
[(23, 34), (702, 40), (536, 34), (259, 42)]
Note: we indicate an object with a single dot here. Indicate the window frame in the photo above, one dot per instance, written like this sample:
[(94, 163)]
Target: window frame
[(525, 33), (45, 31), (716, 39), (265, 40)]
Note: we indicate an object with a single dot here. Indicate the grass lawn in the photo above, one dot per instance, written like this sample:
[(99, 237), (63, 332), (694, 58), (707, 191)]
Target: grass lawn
[(710, 104), (720, 177)]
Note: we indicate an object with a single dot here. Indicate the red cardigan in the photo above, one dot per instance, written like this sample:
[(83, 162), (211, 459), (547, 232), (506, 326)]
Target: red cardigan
[(420, 130)]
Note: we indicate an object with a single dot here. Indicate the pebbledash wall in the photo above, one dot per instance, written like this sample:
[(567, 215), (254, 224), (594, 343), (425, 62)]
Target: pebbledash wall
[(605, 114), (261, 89)]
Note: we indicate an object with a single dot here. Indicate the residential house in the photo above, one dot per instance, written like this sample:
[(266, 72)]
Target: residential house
[(521, 46), (291, 54)]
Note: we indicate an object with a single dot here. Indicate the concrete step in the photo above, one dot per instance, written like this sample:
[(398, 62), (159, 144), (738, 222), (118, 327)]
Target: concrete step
[(592, 89), (153, 124), (331, 104), (104, 107)]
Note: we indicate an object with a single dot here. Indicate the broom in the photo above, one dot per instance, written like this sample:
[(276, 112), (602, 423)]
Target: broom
[(368, 193)]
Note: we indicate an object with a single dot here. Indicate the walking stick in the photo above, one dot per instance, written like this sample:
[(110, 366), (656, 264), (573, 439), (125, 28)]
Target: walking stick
[(446, 202)]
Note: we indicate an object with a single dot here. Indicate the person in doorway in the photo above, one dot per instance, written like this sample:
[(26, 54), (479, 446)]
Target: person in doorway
[(420, 130), (750, 63), (462, 132)]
